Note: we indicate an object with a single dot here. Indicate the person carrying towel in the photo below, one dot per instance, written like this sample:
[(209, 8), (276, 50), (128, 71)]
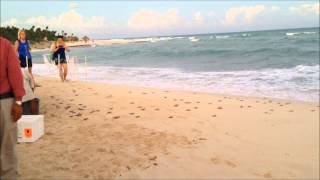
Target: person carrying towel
[(59, 49)]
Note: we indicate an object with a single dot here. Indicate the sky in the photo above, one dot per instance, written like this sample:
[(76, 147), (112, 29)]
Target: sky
[(120, 19)]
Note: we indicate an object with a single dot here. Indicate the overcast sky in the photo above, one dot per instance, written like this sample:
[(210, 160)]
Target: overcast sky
[(111, 19)]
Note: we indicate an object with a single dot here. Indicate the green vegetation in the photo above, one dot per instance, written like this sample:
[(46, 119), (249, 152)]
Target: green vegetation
[(35, 35)]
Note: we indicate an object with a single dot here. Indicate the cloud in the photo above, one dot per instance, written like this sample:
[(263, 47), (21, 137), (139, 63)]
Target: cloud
[(305, 9), (198, 18), (10, 22), (242, 14), (73, 5), (275, 8), (70, 21), (146, 19)]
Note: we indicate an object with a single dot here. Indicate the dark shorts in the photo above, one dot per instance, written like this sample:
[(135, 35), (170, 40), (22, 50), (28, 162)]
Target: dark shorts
[(23, 62), (62, 61)]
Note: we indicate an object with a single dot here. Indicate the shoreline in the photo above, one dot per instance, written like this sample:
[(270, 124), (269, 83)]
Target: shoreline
[(186, 91), (96, 130)]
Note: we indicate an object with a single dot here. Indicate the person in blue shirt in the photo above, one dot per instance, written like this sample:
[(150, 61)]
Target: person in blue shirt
[(59, 49), (23, 48)]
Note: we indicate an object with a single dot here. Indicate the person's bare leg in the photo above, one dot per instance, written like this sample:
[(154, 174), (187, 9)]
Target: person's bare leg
[(65, 71), (32, 78), (61, 72)]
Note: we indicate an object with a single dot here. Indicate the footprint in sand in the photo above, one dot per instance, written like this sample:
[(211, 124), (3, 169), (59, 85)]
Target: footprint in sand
[(215, 160), (157, 109), (241, 106), (144, 93), (219, 100), (187, 102), (188, 110), (209, 103), (231, 164), (138, 116), (129, 92), (67, 107), (176, 105), (249, 106), (291, 111), (142, 109), (78, 115), (131, 102), (198, 102), (265, 175), (195, 107), (109, 112), (84, 119), (115, 117), (165, 97), (214, 115), (153, 158), (170, 117), (131, 113), (219, 107), (312, 110)]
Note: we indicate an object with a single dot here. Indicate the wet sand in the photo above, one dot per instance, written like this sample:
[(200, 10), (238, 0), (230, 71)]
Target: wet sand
[(100, 131)]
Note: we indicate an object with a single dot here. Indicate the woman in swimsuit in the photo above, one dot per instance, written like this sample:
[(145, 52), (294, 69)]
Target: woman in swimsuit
[(59, 56)]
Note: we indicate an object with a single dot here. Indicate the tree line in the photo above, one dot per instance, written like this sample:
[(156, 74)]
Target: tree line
[(35, 35)]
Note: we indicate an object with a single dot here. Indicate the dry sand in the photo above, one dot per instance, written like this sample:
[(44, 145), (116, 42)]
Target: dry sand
[(100, 131)]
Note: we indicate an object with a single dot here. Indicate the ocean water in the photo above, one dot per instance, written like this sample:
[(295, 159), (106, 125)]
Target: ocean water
[(279, 64)]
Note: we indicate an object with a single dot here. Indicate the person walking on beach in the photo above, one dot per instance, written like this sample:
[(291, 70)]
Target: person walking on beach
[(59, 49), (22, 47), (11, 93)]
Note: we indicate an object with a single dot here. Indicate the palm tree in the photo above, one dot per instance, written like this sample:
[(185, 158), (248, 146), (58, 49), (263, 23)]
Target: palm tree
[(85, 39)]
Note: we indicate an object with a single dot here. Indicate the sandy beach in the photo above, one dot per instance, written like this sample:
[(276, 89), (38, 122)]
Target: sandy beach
[(99, 131)]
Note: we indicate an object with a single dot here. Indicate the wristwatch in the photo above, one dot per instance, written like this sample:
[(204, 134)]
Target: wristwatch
[(19, 103)]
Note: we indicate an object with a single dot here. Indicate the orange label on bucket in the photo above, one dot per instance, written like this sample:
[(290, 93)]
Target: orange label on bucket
[(28, 132)]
